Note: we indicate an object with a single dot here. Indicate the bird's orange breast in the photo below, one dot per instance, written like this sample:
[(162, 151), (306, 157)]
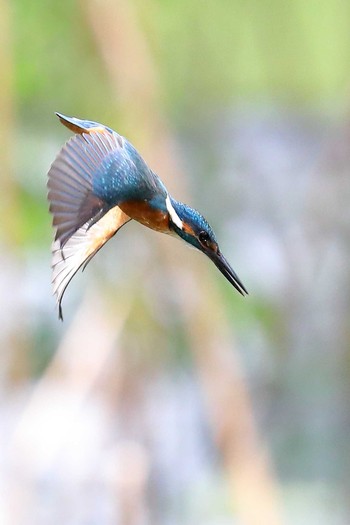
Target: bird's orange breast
[(141, 211)]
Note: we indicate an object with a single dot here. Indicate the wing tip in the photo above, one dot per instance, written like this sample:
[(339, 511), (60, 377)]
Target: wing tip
[(71, 123), (60, 313), (63, 118), (81, 127)]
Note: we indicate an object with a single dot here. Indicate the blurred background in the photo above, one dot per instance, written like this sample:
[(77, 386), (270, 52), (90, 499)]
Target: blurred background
[(165, 397)]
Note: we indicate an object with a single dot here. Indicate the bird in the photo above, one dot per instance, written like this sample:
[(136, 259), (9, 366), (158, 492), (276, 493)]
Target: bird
[(98, 183)]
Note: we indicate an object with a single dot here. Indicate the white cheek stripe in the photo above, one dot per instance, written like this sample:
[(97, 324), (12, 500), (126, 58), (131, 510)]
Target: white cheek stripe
[(173, 215)]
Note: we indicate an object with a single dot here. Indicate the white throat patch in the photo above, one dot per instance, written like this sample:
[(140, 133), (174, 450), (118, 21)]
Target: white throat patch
[(173, 215)]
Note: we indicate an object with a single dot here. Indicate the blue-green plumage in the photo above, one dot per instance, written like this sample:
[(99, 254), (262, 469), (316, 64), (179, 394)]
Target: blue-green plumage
[(124, 176), (97, 183)]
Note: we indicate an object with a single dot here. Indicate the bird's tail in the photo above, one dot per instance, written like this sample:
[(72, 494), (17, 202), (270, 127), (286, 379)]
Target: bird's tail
[(82, 126)]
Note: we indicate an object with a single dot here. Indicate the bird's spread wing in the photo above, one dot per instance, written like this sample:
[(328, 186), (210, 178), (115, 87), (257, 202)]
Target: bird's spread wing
[(84, 220), (80, 248), (73, 201), (96, 171)]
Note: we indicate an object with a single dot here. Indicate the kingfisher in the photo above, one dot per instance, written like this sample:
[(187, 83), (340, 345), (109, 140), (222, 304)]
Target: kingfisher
[(99, 182)]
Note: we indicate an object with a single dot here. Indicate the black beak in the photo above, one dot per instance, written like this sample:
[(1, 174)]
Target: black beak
[(224, 267)]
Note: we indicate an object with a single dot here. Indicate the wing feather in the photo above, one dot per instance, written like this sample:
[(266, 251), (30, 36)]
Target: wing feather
[(95, 172), (81, 248), (81, 126), (71, 178)]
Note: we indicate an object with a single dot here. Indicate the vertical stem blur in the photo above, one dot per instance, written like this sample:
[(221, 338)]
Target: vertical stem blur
[(82, 355), (124, 50), (9, 207)]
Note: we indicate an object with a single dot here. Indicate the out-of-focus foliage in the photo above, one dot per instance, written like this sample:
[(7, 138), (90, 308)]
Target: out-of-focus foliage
[(209, 55), (256, 94)]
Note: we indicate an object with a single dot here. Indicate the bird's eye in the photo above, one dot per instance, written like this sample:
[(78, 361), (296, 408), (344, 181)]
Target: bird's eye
[(204, 238)]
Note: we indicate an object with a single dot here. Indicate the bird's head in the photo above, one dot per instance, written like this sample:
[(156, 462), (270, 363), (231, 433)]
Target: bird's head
[(193, 228)]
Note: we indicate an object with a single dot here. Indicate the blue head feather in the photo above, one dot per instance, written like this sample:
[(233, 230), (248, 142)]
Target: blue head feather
[(196, 221)]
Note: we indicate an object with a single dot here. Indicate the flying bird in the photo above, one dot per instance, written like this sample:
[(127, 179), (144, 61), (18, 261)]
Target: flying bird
[(97, 183)]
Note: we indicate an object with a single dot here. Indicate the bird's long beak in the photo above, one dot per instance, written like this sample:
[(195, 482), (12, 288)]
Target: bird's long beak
[(224, 267)]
